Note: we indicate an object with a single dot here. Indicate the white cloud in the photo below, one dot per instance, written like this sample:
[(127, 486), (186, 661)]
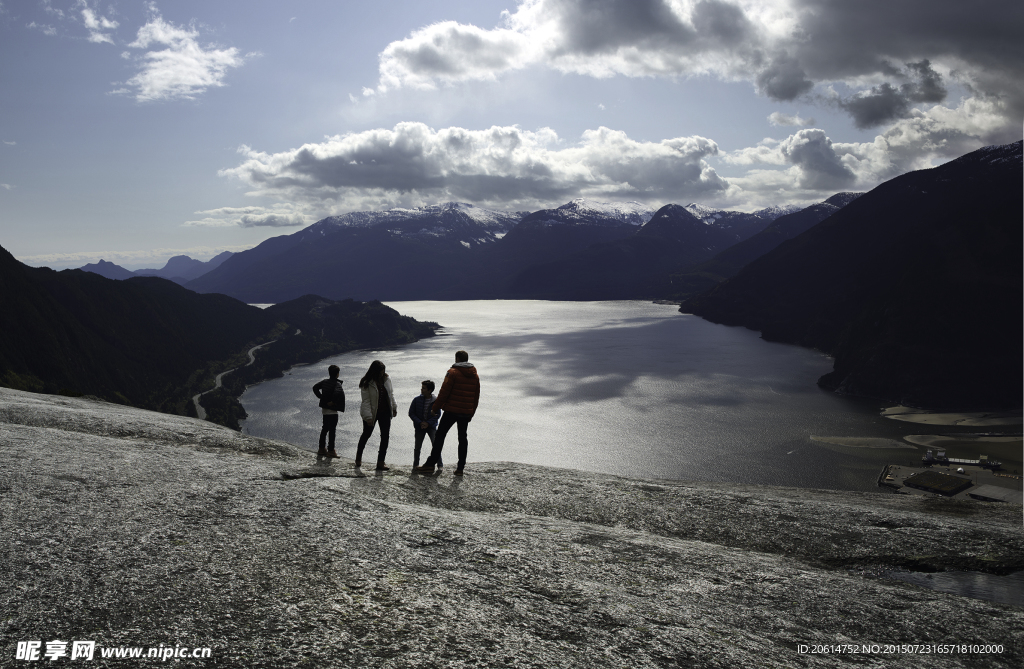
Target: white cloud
[(54, 11), (46, 29), (778, 118), (765, 152), (927, 138), (894, 54), (9, 143), (819, 167), (96, 25), (182, 70), (277, 216), (450, 52), (413, 164), (6, 186)]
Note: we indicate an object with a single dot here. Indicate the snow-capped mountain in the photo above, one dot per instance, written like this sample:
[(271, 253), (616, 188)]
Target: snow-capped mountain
[(710, 215), (402, 218), (471, 224), (582, 211)]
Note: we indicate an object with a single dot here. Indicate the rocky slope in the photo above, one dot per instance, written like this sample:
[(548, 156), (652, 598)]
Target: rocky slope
[(132, 528)]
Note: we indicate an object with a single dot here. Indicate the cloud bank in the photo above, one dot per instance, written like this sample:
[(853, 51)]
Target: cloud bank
[(892, 54), (413, 164), (277, 216)]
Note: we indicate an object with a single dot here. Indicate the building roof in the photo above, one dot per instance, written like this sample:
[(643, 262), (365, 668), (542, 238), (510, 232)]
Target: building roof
[(932, 481), (994, 493)]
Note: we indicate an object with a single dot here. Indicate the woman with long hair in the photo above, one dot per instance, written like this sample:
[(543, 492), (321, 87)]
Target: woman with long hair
[(379, 406)]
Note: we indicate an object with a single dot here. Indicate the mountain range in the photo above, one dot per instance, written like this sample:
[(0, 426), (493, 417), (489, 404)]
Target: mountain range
[(459, 251)]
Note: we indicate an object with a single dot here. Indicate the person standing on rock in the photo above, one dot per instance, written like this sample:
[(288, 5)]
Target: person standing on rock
[(424, 422), (458, 398), (332, 400), (378, 407)]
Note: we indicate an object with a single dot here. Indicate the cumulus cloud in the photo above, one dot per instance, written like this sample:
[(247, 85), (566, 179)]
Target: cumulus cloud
[(778, 118), (820, 167), (181, 70), (816, 166), (277, 216), (893, 54), (413, 164)]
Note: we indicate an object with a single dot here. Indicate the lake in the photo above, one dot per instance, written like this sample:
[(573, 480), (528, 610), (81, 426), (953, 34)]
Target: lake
[(629, 388)]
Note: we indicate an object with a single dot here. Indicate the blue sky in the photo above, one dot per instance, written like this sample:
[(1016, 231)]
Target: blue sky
[(133, 131)]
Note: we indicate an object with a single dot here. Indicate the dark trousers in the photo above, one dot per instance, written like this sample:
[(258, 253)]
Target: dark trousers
[(384, 419), (418, 444), (327, 432), (447, 420)]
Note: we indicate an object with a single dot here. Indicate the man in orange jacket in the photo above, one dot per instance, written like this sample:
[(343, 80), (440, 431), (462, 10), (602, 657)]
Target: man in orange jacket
[(458, 397)]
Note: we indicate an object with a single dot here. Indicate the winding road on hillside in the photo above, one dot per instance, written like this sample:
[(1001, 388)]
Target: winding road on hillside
[(200, 411)]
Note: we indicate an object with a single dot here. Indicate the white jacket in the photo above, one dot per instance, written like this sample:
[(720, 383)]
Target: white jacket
[(368, 409)]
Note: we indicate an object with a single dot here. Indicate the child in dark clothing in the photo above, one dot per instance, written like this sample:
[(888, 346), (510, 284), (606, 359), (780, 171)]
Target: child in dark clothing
[(332, 400), (423, 422)]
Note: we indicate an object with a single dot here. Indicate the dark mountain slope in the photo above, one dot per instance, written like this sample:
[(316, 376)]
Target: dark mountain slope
[(627, 268), (136, 341), (915, 287), (730, 261), (150, 343)]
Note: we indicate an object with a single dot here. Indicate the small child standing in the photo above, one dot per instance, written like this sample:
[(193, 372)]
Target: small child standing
[(422, 421), (332, 400)]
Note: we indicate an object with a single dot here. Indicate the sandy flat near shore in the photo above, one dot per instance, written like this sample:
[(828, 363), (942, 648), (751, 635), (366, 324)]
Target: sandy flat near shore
[(978, 419)]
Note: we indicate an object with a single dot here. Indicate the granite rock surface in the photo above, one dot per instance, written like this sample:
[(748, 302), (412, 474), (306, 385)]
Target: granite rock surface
[(135, 529)]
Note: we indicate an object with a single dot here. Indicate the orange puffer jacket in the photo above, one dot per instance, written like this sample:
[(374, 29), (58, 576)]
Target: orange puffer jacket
[(460, 392)]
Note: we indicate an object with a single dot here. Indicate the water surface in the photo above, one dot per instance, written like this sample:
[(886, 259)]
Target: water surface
[(628, 388)]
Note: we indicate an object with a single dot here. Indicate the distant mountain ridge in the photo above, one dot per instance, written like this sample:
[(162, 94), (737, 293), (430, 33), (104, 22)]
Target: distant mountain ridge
[(179, 269)]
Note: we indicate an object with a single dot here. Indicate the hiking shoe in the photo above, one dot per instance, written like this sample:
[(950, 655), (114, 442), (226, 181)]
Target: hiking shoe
[(425, 469), (383, 468), (322, 453), (457, 472), (333, 454)]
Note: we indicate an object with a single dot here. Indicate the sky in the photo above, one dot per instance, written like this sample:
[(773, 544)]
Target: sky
[(134, 131)]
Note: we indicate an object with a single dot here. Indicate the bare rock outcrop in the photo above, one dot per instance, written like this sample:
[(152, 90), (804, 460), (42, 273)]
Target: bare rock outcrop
[(135, 529)]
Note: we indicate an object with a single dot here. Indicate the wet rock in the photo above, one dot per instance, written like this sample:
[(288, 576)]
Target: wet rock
[(132, 528)]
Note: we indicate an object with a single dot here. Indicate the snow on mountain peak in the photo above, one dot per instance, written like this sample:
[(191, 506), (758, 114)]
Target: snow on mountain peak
[(628, 212)]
